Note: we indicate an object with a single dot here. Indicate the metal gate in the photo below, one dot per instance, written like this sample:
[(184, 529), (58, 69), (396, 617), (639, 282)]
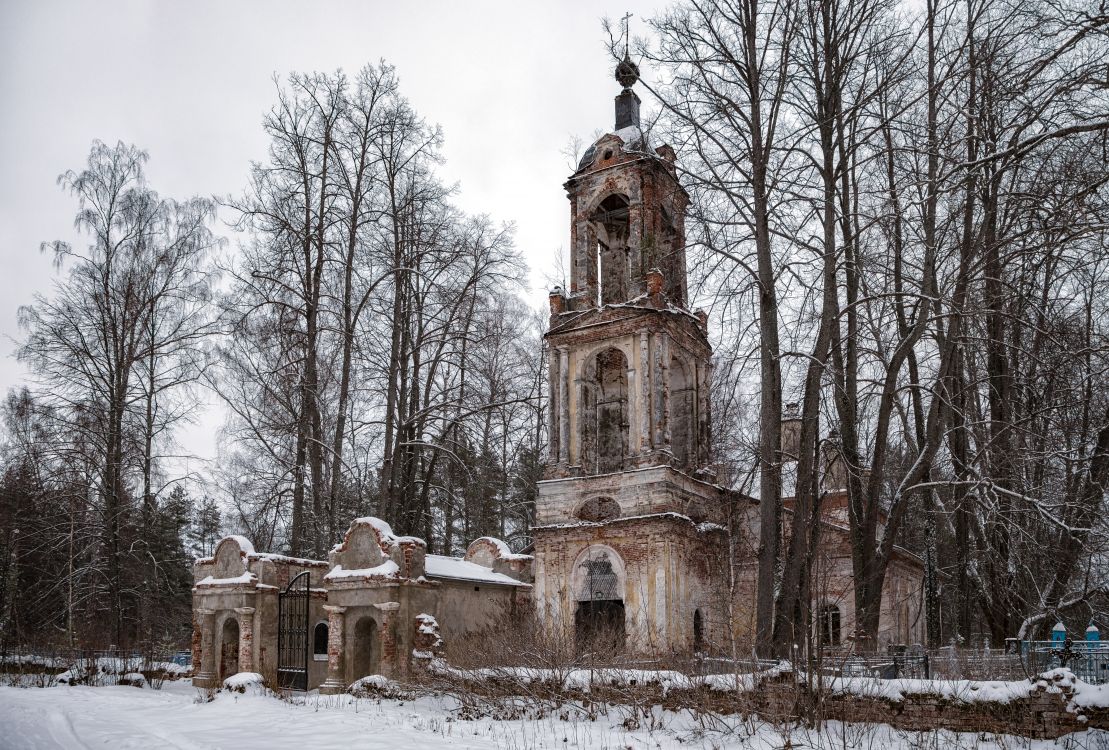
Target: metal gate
[(292, 634)]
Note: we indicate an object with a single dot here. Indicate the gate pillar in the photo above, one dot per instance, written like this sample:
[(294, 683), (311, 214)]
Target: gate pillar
[(246, 638), (336, 621), (206, 677)]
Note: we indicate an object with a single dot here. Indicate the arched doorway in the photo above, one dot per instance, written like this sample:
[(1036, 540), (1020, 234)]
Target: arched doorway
[(604, 412), (599, 617), (365, 653), (229, 649)]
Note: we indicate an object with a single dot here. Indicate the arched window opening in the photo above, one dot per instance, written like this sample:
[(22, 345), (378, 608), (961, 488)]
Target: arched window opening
[(598, 509), (682, 405), (698, 632), (610, 225), (319, 641), (829, 625), (604, 412)]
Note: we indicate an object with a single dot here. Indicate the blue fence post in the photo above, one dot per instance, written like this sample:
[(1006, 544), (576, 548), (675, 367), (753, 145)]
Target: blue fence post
[(1093, 643), (1058, 642)]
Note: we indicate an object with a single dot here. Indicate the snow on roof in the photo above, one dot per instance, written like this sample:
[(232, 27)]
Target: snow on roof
[(247, 577), (274, 557), (384, 530), (243, 542), (387, 569), (440, 566), (503, 550), (622, 519)]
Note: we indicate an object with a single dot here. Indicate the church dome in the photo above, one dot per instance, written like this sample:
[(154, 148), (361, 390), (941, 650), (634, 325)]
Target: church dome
[(632, 138)]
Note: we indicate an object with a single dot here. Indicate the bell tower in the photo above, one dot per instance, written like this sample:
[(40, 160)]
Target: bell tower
[(627, 497)]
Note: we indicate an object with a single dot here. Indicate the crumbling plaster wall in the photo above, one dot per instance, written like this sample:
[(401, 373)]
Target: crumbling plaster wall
[(669, 568), (650, 342), (657, 489)]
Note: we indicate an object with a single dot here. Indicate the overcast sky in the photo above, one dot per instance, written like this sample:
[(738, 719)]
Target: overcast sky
[(189, 81)]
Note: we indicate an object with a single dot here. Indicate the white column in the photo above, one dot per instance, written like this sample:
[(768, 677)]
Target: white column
[(644, 400)]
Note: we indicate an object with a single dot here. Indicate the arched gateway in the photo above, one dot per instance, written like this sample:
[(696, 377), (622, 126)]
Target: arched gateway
[(377, 600)]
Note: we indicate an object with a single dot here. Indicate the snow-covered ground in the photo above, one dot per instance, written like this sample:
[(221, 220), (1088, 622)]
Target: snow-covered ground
[(178, 717)]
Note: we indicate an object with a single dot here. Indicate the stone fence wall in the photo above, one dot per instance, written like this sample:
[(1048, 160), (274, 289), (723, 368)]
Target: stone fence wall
[(1047, 710), (1047, 707)]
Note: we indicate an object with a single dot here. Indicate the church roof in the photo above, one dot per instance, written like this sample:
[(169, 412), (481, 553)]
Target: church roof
[(457, 569), (633, 140)]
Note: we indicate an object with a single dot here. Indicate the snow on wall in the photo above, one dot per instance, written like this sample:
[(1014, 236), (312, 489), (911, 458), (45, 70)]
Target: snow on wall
[(387, 569)]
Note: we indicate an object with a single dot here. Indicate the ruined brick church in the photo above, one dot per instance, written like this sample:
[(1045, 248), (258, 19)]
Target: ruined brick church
[(635, 543)]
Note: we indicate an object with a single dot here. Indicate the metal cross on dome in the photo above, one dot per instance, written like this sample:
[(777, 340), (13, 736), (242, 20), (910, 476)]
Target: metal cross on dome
[(626, 23)]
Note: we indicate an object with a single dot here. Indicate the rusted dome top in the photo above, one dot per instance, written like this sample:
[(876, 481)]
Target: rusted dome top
[(627, 72)]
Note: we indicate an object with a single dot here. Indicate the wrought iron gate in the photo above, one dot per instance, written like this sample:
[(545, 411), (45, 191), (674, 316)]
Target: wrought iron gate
[(292, 634)]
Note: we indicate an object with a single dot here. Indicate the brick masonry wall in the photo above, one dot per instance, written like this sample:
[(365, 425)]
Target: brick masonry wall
[(1046, 712)]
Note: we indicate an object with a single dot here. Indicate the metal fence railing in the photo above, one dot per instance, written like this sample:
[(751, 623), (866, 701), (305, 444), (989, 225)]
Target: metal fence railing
[(38, 665), (1089, 660)]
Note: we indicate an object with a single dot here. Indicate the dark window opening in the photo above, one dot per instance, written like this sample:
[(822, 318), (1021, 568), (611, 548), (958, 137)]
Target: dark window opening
[(608, 154), (604, 414), (319, 639), (698, 632), (830, 625)]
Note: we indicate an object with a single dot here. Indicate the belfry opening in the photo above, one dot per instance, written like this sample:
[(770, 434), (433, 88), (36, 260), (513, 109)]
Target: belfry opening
[(610, 226)]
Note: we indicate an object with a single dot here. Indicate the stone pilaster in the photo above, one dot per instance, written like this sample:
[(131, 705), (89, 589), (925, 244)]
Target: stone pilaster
[(554, 407), (704, 413), (207, 677), (563, 405), (336, 621), (660, 398), (246, 638), (664, 339), (644, 393), (389, 644), (197, 636)]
